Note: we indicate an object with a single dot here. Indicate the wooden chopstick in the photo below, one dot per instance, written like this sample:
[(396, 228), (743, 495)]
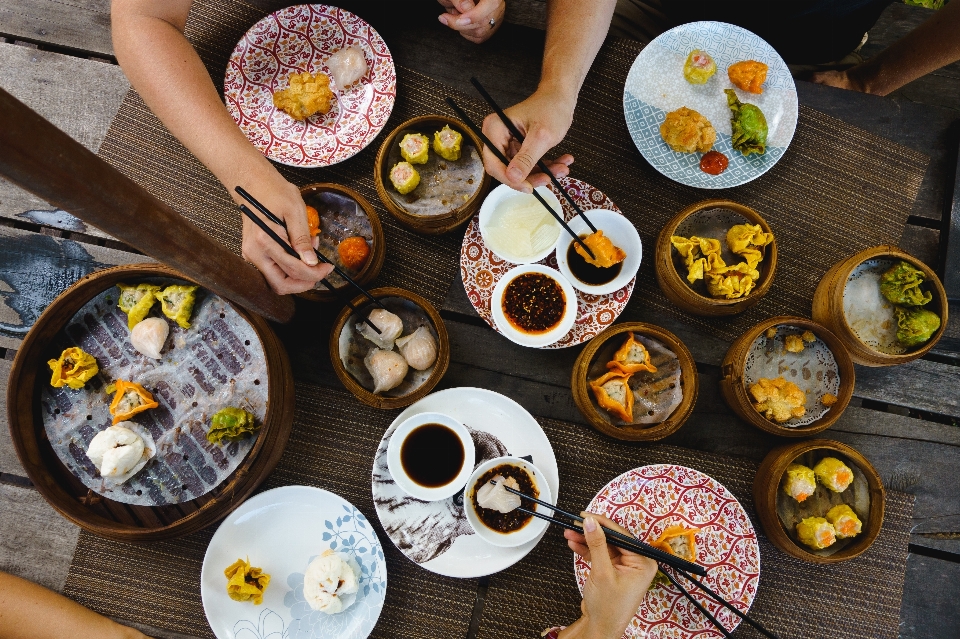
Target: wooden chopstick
[(697, 605), (276, 220), (515, 132), (292, 253), (500, 156)]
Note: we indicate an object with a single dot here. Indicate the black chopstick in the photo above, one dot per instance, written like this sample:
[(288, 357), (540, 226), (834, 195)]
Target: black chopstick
[(276, 220), (697, 605), (500, 156), (289, 249), (515, 132), (723, 602)]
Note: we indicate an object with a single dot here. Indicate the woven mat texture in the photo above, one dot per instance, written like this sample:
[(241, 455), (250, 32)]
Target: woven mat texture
[(159, 583)]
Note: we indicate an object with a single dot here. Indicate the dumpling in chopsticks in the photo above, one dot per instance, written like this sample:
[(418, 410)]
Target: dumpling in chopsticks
[(347, 66), (149, 336), (678, 540), (390, 325), (387, 368), (136, 301), (129, 399), (614, 395), (418, 348), (632, 357), (177, 302), (494, 496), (604, 251)]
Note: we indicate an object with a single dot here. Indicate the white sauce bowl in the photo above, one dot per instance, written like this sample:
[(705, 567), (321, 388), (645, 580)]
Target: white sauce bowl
[(519, 537), (494, 204), (621, 232), (403, 480), (537, 340)]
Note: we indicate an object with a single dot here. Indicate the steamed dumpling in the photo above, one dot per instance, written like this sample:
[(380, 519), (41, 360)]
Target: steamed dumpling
[(328, 579), (149, 336), (494, 496), (347, 66), (390, 325), (119, 452), (419, 349), (388, 368)]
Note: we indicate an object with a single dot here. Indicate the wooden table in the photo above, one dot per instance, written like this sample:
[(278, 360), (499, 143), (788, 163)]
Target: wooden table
[(58, 57)]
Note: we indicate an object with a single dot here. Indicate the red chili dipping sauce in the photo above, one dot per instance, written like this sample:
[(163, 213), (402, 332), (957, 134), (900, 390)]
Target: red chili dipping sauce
[(714, 163), (534, 303)]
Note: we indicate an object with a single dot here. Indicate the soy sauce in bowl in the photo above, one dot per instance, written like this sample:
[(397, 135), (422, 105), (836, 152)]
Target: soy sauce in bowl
[(587, 272), (432, 455)]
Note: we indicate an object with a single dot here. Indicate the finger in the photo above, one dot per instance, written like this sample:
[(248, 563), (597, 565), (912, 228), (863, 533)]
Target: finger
[(606, 522), (500, 137), (298, 232), (480, 14), (538, 178), (278, 280), (295, 268), (600, 561), (581, 549), (534, 146)]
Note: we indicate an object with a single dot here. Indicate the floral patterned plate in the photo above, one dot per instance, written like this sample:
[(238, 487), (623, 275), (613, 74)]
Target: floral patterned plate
[(480, 270), (298, 39), (281, 531), (648, 499)]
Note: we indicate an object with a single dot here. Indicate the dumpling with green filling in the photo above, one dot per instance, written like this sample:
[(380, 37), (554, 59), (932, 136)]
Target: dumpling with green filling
[(901, 283), (136, 301), (177, 302), (915, 325), (232, 424), (749, 125)]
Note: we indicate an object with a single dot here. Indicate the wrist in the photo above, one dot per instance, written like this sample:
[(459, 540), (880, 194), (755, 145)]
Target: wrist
[(587, 627), (865, 78)]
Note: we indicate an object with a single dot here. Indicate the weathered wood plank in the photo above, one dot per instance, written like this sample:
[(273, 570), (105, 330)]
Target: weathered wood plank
[(923, 243), (8, 456), (929, 609), (83, 25), (951, 271), (79, 96)]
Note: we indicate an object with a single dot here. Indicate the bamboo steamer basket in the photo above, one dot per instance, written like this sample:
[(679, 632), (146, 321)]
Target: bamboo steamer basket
[(100, 515), (674, 285), (689, 381), (434, 224), (378, 251), (734, 388), (364, 306), (767, 483), (828, 306)]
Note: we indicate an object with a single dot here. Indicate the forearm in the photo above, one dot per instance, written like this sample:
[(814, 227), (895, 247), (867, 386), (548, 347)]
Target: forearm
[(575, 31)]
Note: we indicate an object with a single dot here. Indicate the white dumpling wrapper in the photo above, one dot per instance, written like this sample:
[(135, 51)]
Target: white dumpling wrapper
[(493, 495), (149, 336), (347, 66), (390, 325), (388, 368), (419, 349), (121, 451)]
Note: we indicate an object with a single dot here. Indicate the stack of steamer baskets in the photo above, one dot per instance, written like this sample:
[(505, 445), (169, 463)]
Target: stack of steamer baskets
[(227, 357)]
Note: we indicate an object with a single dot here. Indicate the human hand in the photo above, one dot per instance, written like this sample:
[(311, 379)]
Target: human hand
[(472, 18), (847, 79), (617, 582), (543, 119), (284, 273)]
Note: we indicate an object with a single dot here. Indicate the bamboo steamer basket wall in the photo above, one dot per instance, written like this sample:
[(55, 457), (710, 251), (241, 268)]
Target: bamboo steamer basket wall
[(828, 306), (381, 401), (378, 253), (767, 483), (105, 517), (734, 388), (675, 286), (434, 224), (689, 381)]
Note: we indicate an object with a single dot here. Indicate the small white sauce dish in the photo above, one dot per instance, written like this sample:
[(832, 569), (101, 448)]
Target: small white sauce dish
[(497, 202), (532, 529), (620, 231), (403, 480), (537, 340)]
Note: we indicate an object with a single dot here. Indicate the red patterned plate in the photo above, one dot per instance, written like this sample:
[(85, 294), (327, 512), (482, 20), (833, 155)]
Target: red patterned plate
[(480, 270), (298, 39), (648, 499)]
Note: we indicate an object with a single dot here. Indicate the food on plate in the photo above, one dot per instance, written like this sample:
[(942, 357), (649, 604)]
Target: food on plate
[(446, 143), (793, 344), (834, 474), (808, 337), (632, 357), (176, 302), (504, 520), (129, 399), (231, 424), (778, 399), (915, 326), (614, 394), (136, 301), (534, 303), (749, 125), (404, 177), (347, 66), (686, 131), (305, 95), (845, 521), (605, 254), (313, 221), (74, 368), (699, 67), (748, 75), (829, 399), (817, 533), (387, 368), (901, 284), (522, 228), (771, 332), (354, 252), (800, 482), (149, 336), (679, 541), (415, 148), (714, 162), (246, 582), (390, 325), (121, 451), (418, 348), (494, 495), (328, 580)]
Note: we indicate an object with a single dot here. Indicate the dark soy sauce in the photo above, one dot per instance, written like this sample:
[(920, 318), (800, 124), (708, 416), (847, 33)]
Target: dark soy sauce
[(588, 273), (432, 455)]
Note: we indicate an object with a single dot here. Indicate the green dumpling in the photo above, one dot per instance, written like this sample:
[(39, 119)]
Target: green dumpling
[(749, 125), (915, 325), (901, 285), (136, 301), (177, 301), (232, 424)]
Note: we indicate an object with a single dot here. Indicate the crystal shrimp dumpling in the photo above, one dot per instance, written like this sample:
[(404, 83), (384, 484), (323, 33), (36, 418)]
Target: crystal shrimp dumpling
[(419, 349), (149, 336), (387, 368), (347, 66), (390, 325)]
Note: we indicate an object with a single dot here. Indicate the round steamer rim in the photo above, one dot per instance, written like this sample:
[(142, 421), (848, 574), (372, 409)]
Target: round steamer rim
[(734, 389), (439, 367), (767, 483), (690, 384)]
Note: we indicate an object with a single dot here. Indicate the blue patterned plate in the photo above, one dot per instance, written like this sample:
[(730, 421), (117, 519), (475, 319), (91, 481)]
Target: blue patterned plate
[(281, 531), (656, 86)]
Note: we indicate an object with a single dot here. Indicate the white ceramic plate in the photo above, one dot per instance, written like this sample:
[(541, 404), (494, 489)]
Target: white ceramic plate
[(498, 198), (621, 232), (281, 531), (538, 340), (534, 529), (436, 534), (656, 86)]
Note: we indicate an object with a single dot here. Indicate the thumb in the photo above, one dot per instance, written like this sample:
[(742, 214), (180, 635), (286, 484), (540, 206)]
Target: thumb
[(534, 146), (597, 541), (299, 233)]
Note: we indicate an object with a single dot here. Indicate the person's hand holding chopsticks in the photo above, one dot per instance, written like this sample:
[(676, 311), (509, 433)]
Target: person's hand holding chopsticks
[(616, 585)]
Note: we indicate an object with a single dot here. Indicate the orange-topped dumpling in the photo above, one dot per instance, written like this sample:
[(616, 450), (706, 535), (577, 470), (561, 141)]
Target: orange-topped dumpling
[(604, 251), (614, 394), (679, 541), (748, 75), (632, 357)]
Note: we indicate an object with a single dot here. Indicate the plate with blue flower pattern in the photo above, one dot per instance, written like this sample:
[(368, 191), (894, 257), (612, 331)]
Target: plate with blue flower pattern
[(282, 531), (655, 86)]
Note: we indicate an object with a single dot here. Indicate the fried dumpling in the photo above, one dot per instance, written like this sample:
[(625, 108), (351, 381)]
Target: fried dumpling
[(388, 368), (778, 399), (732, 282), (347, 66), (419, 349), (614, 395), (748, 75), (604, 251), (305, 95), (746, 240), (632, 357), (74, 368), (149, 336), (390, 325), (686, 131), (700, 254)]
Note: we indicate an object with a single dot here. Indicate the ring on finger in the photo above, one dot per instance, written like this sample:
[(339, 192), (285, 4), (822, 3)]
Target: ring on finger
[(493, 22)]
